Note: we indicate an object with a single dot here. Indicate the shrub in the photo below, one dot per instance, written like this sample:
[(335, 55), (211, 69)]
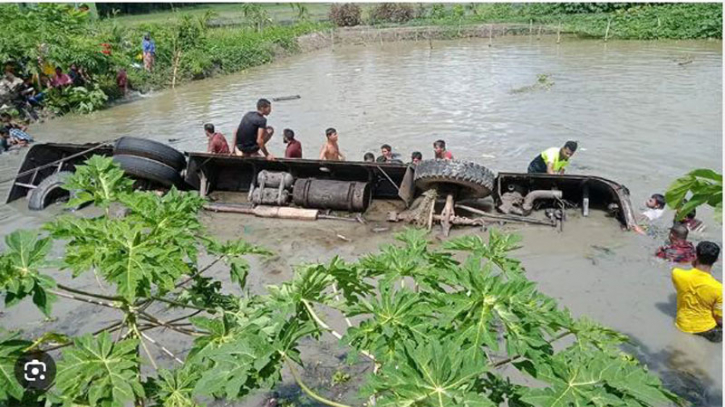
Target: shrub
[(346, 15), (392, 12)]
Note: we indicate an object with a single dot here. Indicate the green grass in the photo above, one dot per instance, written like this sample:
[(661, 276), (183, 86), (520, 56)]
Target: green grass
[(228, 14)]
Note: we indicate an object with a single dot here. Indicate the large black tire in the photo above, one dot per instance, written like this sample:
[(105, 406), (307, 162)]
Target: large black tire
[(49, 191), (147, 169), (150, 149), (470, 179)]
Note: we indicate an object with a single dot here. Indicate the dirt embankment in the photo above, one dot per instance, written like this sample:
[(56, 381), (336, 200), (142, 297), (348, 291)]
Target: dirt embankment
[(369, 35)]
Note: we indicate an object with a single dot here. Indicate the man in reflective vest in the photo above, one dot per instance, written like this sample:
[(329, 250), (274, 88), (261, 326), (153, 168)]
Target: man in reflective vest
[(553, 160)]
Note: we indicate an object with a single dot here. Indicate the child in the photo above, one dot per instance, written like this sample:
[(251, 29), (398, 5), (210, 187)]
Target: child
[(655, 207), (439, 148), (369, 157), (331, 151), (416, 157)]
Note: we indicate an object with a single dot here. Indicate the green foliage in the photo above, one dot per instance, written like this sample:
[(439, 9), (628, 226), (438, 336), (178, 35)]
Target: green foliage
[(20, 266), (346, 15), (438, 323), (705, 187), (76, 99), (11, 348), (100, 371)]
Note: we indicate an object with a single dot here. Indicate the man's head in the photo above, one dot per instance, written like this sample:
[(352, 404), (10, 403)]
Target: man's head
[(369, 157), (73, 67), (58, 70), (678, 233), (656, 201), (264, 107), (146, 36), (288, 135), (707, 254), (331, 134), (568, 150), (209, 129), (439, 146), (386, 151), (416, 157)]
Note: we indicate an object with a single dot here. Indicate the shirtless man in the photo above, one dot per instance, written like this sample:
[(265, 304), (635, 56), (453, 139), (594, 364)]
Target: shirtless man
[(331, 151)]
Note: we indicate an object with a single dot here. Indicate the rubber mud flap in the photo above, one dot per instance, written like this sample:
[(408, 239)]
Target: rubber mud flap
[(150, 149), (145, 168), (49, 191), (473, 180)]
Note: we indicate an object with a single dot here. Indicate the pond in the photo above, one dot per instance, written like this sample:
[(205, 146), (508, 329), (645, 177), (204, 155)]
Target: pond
[(643, 113)]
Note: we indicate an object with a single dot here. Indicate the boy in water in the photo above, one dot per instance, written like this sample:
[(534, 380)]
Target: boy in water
[(331, 151), (439, 148), (416, 157), (369, 157)]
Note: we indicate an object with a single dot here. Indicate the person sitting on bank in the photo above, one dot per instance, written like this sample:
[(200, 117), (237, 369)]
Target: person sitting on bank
[(369, 158), (416, 157), (294, 147), (553, 160), (679, 250), (217, 143), (440, 152), (251, 136), (699, 295), (60, 80), (387, 155), (331, 151)]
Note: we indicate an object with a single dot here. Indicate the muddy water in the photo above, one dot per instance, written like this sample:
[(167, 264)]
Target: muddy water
[(643, 112)]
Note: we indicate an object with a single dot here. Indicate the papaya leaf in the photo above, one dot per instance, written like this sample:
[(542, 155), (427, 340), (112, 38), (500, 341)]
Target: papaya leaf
[(12, 346), (174, 388), (98, 372), (100, 181), (20, 270)]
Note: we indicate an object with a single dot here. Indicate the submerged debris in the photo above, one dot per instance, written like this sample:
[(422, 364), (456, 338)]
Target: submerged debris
[(543, 82)]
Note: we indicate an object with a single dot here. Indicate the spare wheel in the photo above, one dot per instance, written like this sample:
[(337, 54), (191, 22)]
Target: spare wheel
[(150, 149), (147, 169), (470, 179)]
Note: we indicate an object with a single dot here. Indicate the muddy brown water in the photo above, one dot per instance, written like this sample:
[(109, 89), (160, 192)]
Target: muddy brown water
[(643, 112)]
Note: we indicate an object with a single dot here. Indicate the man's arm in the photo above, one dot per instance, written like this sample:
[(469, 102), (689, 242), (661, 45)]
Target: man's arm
[(340, 155), (550, 168), (262, 143), (323, 152)]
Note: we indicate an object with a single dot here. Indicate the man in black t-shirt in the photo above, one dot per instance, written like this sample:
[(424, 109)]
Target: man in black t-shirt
[(250, 136)]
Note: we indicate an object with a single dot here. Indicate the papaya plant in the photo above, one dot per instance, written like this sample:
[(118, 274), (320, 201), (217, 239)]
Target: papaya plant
[(704, 187), (436, 324)]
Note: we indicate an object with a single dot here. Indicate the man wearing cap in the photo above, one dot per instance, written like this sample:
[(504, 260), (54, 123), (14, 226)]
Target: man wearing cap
[(553, 160)]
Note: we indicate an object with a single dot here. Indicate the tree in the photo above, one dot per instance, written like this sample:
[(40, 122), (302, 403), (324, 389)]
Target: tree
[(705, 187), (436, 328)]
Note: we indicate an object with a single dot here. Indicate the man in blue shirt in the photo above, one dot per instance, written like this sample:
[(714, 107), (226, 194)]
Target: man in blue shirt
[(149, 52)]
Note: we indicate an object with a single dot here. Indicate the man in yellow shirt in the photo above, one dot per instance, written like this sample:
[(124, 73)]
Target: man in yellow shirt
[(553, 160), (699, 295)]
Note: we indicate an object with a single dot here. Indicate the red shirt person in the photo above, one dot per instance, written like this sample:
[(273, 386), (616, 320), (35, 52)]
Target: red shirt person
[(217, 143), (60, 79), (679, 250), (294, 147), (439, 148)]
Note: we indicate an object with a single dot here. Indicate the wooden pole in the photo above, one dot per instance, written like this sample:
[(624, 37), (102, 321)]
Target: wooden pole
[(490, 35), (558, 33), (606, 33), (531, 27), (538, 36)]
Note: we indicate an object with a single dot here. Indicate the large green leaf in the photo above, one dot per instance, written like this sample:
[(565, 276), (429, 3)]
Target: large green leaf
[(431, 374), (174, 388), (20, 270), (100, 181), (98, 372), (12, 346)]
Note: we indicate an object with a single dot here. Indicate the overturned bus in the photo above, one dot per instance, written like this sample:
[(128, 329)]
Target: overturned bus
[(444, 189)]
